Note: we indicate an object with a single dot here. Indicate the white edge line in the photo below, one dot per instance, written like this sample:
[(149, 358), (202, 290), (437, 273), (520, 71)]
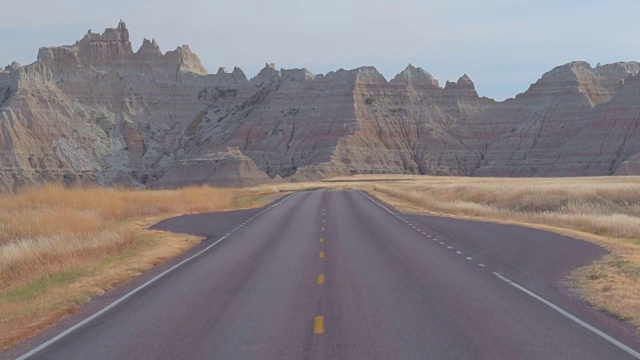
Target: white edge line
[(594, 330), (571, 317), (125, 297)]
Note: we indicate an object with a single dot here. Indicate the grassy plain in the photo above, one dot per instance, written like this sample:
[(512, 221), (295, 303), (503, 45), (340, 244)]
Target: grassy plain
[(59, 247)]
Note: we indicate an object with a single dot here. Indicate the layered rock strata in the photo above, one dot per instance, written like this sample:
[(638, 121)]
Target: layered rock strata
[(98, 112)]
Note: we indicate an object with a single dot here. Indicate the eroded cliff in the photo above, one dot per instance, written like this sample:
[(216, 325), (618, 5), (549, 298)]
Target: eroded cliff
[(98, 112)]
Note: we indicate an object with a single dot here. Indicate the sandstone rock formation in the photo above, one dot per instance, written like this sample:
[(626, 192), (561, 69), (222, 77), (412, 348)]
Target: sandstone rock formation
[(228, 169), (98, 112)]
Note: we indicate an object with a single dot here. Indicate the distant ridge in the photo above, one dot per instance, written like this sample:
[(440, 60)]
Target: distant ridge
[(99, 112)]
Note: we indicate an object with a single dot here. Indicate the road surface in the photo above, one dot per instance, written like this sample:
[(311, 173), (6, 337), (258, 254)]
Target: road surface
[(340, 275)]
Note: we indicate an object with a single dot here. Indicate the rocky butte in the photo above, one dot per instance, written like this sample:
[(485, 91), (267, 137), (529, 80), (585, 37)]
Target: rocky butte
[(99, 112)]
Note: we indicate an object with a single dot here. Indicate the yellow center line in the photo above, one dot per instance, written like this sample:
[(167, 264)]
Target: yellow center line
[(321, 254), (321, 240), (320, 279), (322, 229), (318, 325), (323, 220)]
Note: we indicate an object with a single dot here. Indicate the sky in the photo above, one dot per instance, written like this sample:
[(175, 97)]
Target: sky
[(503, 45)]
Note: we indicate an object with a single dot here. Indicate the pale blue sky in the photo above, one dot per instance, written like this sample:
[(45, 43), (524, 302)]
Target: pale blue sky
[(504, 45)]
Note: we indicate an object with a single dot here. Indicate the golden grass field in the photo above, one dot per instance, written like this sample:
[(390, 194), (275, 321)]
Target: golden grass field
[(602, 210), (59, 247)]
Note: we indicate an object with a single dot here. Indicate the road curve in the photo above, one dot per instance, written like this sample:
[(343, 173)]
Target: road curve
[(339, 275)]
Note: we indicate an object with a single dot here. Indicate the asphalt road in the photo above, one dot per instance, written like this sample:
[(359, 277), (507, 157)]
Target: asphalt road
[(338, 275)]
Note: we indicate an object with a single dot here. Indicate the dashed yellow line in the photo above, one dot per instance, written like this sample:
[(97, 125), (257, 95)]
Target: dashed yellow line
[(318, 325), (318, 321)]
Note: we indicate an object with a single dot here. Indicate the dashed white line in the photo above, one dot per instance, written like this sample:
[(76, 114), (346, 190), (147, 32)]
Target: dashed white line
[(594, 330), (571, 317), (449, 247)]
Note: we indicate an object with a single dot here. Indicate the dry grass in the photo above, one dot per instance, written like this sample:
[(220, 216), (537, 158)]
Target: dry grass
[(603, 210), (59, 246), (608, 207)]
